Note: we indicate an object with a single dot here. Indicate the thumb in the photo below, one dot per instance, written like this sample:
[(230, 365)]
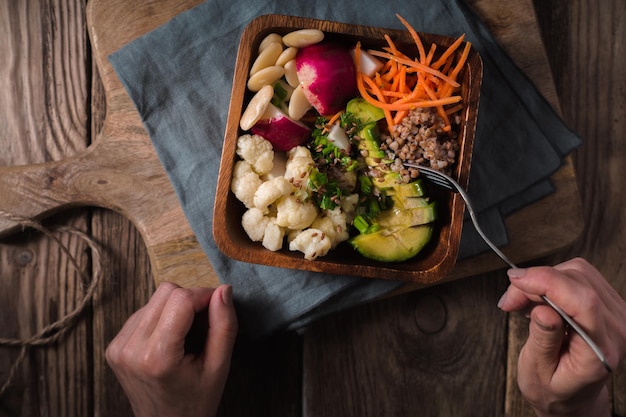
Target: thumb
[(223, 329), (543, 349)]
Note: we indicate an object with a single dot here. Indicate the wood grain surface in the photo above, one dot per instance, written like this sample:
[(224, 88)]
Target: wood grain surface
[(443, 351), (119, 170)]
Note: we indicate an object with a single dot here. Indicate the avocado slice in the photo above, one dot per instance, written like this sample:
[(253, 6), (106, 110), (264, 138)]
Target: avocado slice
[(411, 189), (393, 244), (369, 142), (409, 202), (366, 113), (396, 216), (388, 180)]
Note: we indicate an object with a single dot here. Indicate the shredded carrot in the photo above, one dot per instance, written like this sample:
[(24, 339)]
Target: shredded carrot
[(404, 83), (417, 65), (454, 109), (379, 101), (431, 54), (335, 118), (446, 55), (392, 46), (416, 38)]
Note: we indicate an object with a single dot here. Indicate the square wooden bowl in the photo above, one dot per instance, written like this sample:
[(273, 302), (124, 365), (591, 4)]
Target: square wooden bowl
[(430, 265)]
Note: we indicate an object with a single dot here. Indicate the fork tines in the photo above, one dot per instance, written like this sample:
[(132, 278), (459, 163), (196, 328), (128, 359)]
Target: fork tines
[(435, 177)]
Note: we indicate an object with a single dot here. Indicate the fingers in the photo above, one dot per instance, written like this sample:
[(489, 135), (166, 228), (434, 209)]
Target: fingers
[(582, 269), (159, 330), (580, 291), (222, 329), (177, 317), (570, 291), (139, 326), (545, 341), (150, 313), (161, 325)]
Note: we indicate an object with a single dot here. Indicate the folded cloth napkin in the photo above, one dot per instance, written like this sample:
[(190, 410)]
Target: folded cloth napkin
[(180, 76)]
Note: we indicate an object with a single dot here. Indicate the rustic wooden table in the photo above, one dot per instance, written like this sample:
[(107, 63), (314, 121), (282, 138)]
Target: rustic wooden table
[(444, 350)]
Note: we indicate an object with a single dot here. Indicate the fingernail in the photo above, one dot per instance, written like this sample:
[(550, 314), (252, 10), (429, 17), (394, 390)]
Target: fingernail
[(227, 295), (516, 272), (502, 299)]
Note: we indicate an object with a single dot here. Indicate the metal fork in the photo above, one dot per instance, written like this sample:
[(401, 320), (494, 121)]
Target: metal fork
[(444, 181)]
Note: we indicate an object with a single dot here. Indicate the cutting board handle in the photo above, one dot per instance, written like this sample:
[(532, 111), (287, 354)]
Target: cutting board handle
[(122, 175), (120, 170), (39, 190)]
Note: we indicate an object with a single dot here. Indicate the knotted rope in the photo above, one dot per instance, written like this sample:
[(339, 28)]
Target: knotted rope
[(55, 331)]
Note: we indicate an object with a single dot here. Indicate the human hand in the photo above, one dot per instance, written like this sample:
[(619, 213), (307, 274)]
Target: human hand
[(558, 373), (159, 376)]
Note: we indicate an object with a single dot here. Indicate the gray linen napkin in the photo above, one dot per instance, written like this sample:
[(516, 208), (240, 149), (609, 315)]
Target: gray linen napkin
[(180, 75)]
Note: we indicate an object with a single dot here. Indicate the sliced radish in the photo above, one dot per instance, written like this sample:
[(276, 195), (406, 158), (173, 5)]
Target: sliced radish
[(338, 137), (369, 64), (327, 75), (283, 132)]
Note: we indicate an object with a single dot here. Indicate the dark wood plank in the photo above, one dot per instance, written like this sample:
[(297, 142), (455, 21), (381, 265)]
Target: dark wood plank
[(265, 378), (441, 351), (584, 40), (126, 286), (44, 109)]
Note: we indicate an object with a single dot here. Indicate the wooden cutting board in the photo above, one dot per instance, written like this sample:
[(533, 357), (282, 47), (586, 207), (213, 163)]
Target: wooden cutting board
[(121, 171)]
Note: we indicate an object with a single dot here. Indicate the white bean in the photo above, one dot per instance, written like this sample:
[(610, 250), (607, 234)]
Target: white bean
[(298, 104), (267, 57), (303, 37), (271, 38), (291, 74), (286, 56), (257, 106), (264, 77)]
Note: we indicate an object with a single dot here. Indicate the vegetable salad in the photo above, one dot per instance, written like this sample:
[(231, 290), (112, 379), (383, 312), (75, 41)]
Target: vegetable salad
[(325, 137)]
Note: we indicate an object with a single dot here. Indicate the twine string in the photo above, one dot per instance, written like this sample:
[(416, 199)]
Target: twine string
[(55, 331)]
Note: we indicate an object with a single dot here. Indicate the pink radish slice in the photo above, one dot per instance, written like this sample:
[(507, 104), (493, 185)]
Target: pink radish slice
[(327, 75), (339, 138), (283, 132)]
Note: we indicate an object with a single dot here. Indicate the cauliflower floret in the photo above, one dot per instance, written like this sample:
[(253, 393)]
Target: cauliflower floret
[(294, 214), (348, 206), (274, 235), (254, 222), (280, 165), (257, 151), (333, 225), (291, 234), (270, 191), (262, 228), (311, 242), (299, 163), (245, 182), (349, 203)]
